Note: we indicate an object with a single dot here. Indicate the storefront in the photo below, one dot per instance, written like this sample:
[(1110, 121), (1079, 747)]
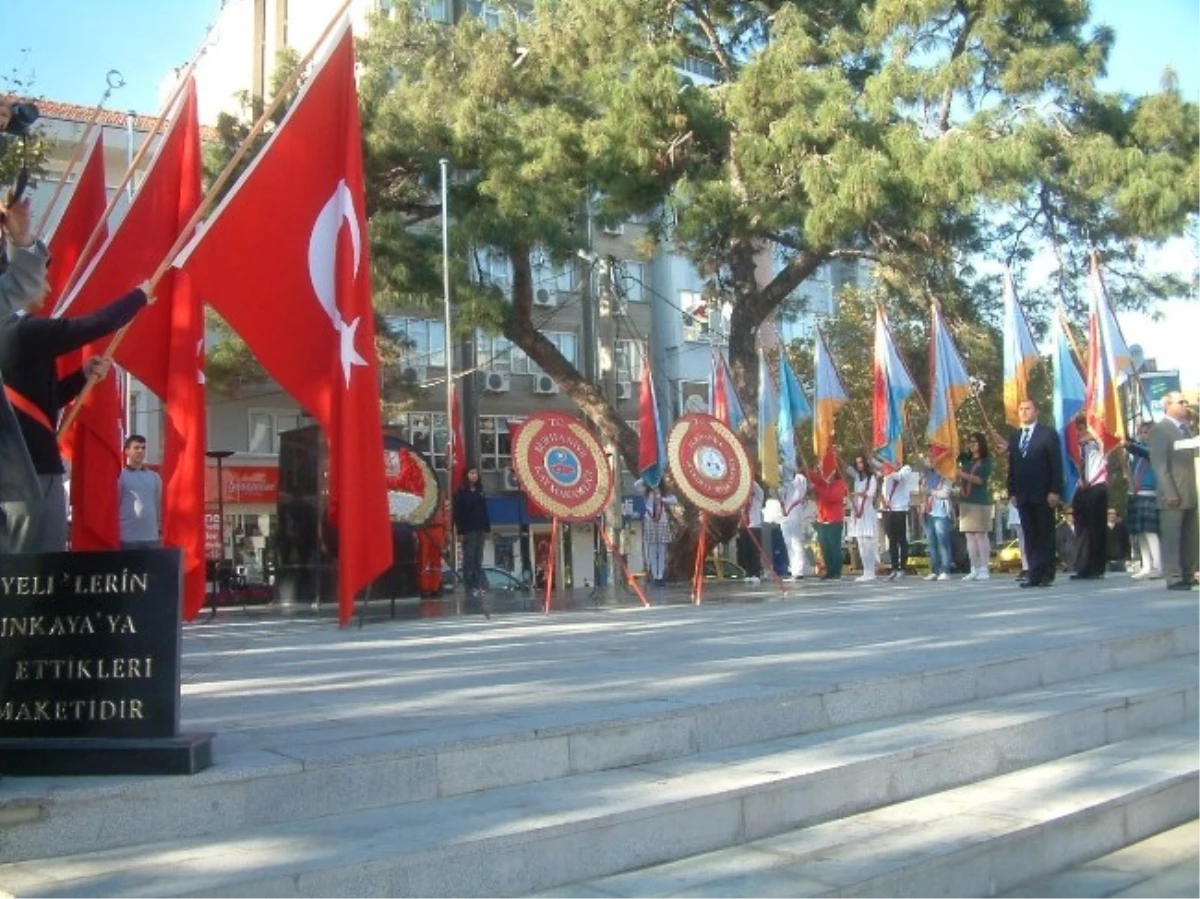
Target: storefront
[(248, 496)]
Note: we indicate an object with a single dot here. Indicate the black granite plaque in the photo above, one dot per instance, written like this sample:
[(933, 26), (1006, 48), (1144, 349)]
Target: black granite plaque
[(89, 651)]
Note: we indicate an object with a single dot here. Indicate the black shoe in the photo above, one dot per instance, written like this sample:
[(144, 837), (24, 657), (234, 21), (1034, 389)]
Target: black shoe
[(1022, 577), (1179, 585)]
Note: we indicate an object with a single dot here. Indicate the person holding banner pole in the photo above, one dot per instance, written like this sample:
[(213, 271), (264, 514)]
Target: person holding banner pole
[(1141, 518)]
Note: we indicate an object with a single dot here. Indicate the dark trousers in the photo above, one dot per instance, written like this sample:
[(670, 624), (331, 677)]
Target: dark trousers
[(747, 552), (895, 525), (1090, 508), (829, 538), (1037, 521), (1177, 528), (472, 544)]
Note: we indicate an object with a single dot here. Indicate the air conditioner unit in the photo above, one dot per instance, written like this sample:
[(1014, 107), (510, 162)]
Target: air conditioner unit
[(415, 374), (544, 384), (624, 390), (510, 480), (545, 297), (496, 382)]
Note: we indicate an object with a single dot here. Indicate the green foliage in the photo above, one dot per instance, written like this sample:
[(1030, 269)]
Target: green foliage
[(937, 139), (18, 82)]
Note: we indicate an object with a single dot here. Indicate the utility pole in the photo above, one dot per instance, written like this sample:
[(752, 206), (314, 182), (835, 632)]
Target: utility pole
[(607, 378)]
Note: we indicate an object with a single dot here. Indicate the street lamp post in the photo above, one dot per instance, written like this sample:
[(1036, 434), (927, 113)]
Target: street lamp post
[(220, 456)]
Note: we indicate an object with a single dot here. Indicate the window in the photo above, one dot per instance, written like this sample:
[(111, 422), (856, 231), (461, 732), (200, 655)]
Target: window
[(701, 67), (630, 357), (546, 274), (693, 397), (437, 10), (265, 427), (489, 14), (426, 431), (492, 268), (427, 339), (493, 353), (631, 281), (695, 315), (495, 443), (499, 353)]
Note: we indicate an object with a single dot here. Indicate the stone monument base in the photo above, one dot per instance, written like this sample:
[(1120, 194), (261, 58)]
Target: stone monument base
[(51, 757)]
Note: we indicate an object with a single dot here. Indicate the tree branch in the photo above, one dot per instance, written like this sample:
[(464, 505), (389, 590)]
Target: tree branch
[(960, 46)]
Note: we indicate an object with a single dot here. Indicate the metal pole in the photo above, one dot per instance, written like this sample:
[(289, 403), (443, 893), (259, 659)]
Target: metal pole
[(450, 436)]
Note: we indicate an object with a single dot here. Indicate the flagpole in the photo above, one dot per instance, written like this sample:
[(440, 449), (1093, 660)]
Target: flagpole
[(77, 153), (101, 226), (451, 436), (185, 233)]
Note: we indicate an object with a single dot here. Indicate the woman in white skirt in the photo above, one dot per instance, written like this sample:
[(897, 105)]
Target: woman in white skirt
[(975, 504), (861, 525)]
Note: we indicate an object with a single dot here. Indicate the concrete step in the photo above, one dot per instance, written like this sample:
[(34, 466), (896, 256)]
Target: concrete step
[(341, 773), (1164, 865), (519, 839), (978, 840)]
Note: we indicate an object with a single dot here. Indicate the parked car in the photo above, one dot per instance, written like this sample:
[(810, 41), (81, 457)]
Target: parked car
[(498, 580)]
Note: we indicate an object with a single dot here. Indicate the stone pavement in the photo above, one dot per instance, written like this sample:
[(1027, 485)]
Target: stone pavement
[(294, 700), (267, 683)]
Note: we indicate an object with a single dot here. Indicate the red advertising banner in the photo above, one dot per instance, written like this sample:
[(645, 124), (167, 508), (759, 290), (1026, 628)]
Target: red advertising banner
[(242, 484)]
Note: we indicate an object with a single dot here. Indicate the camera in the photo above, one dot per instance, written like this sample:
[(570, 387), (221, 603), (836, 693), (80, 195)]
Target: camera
[(20, 117)]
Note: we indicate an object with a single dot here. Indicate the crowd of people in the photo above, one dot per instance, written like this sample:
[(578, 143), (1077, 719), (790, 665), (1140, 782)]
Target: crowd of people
[(852, 512), (866, 497)]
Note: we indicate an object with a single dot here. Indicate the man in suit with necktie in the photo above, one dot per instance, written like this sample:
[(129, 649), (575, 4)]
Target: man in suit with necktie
[(1035, 478), (1176, 494)]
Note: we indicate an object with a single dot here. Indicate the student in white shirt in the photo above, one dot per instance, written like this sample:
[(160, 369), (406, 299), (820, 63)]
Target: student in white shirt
[(896, 497), (794, 497), (862, 524)]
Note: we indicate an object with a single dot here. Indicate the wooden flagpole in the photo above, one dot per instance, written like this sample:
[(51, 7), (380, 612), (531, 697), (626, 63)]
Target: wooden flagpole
[(762, 553), (701, 549), (77, 153), (550, 565), (94, 237), (629, 578), (218, 185)]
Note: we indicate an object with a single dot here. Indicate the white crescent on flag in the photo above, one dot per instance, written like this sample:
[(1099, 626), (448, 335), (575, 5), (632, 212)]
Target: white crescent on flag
[(322, 267)]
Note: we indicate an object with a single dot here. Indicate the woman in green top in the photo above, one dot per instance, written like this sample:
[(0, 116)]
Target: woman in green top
[(975, 504)]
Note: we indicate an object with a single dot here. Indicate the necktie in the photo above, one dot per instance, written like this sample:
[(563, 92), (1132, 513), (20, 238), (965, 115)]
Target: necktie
[(1025, 440), (1187, 431)]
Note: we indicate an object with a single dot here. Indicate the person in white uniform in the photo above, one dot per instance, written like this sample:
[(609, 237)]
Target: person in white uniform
[(794, 497), (862, 523)]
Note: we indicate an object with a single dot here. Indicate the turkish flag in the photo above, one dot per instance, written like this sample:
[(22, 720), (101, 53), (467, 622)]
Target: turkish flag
[(164, 345), (93, 444), (284, 260)]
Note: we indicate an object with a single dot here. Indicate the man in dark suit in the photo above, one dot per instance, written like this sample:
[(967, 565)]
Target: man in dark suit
[(1176, 493), (1035, 478)]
